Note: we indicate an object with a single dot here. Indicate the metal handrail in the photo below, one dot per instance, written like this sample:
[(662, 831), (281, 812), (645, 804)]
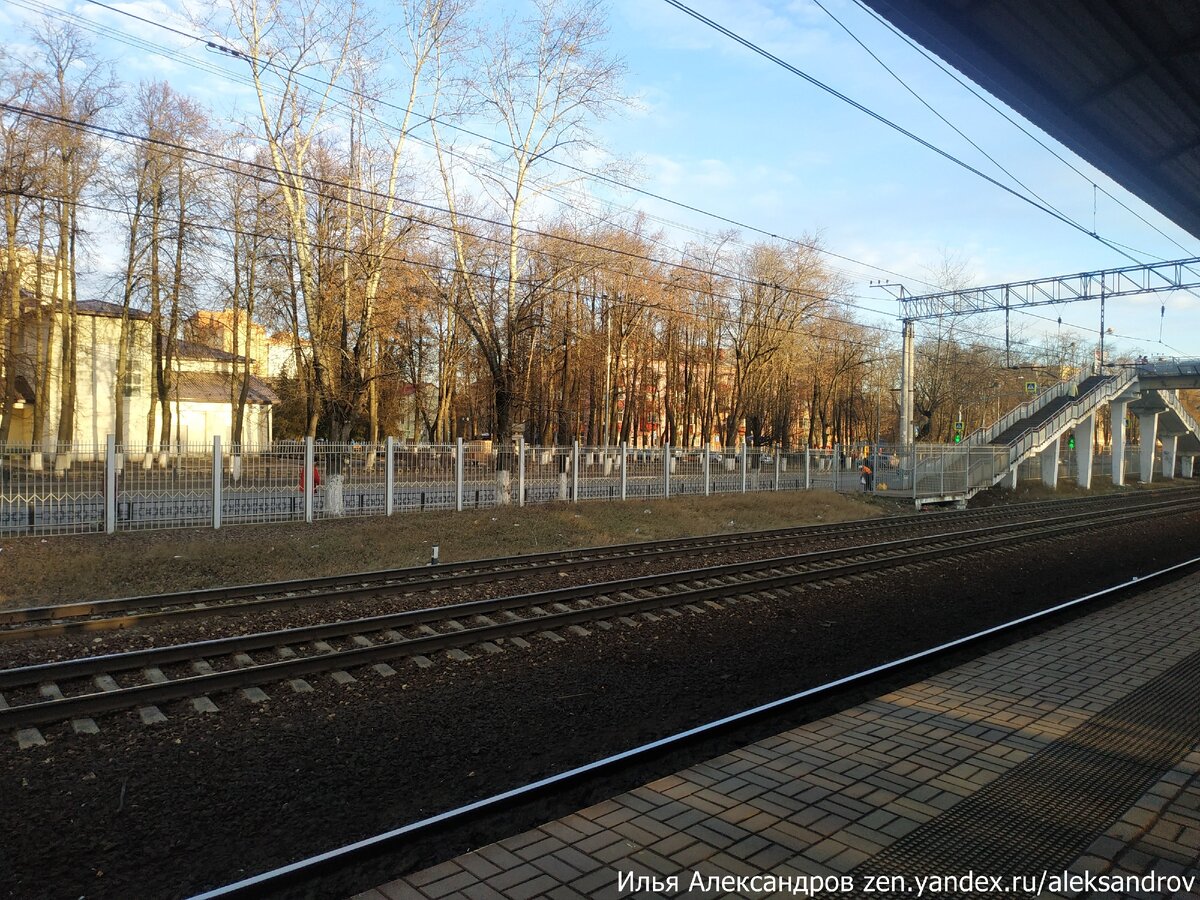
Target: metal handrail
[(1026, 409), (1172, 403), (1038, 435), (1168, 368)]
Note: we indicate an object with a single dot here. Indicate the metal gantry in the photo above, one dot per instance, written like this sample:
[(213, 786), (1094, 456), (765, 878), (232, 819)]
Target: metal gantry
[(1169, 275), (1101, 284)]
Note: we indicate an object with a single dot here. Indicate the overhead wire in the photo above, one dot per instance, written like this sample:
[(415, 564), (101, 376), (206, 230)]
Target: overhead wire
[(597, 176), (229, 164), (929, 106), (154, 48), (577, 205), (884, 120), (1016, 123), (941, 66), (642, 305)]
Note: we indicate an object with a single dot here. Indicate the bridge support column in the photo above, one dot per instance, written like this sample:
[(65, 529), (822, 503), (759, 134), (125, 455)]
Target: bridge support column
[(1148, 428), (1188, 464), (1170, 445), (1085, 433), (1010, 480), (1049, 459), (1116, 411)]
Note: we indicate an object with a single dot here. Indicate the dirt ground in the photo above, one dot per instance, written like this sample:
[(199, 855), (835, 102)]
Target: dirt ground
[(93, 566)]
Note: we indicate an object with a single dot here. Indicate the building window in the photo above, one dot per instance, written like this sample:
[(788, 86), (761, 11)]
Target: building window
[(133, 383)]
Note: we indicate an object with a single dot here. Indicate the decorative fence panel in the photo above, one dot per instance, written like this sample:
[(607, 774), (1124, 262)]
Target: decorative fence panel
[(52, 492), (423, 477), (97, 488)]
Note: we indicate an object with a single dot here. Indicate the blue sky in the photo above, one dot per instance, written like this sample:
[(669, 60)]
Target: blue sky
[(745, 137), (720, 128)]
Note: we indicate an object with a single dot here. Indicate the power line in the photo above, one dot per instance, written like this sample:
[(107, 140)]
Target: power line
[(230, 164), (598, 176), (1016, 123), (642, 305), (958, 130), (151, 47), (766, 54)]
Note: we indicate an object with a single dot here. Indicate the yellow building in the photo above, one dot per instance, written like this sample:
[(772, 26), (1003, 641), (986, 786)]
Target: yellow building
[(202, 397)]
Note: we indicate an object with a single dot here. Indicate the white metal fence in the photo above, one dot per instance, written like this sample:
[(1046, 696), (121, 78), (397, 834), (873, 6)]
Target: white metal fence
[(86, 488)]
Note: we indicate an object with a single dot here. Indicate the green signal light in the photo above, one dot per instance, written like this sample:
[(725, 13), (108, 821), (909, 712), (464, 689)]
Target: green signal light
[(1071, 442), (958, 437)]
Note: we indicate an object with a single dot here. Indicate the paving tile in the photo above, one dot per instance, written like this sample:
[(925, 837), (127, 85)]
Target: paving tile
[(692, 854), (517, 875), (448, 887), (537, 887), (499, 856), (824, 797), (400, 890), (542, 847), (590, 885), (434, 873)]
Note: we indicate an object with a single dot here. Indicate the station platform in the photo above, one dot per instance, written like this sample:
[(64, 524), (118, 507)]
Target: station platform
[(1031, 770)]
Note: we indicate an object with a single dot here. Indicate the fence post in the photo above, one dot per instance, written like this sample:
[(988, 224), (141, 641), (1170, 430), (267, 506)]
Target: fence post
[(389, 473), (707, 470), (575, 471), (666, 470), (778, 455), (837, 464), (942, 468), (459, 468), (745, 463), (110, 484), (521, 470), (216, 481), (807, 468), (306, 479), (624, 468)]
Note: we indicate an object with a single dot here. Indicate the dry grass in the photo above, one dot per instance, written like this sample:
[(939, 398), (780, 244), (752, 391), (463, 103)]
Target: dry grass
[(57, 569)]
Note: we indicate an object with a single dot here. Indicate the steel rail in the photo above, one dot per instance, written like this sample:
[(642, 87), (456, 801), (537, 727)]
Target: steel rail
[(306, 870), (122, 612), (83, 667), (54, 710)]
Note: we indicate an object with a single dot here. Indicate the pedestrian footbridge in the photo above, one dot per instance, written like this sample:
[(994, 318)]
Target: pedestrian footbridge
[(1032, 434)]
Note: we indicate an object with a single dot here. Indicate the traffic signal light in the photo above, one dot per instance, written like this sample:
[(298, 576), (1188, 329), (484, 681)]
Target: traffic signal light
[(958, 432), (1071, 441)]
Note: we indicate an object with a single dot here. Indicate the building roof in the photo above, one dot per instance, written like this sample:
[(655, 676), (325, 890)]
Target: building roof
[(193, 350), (215, 387), (109, 310)]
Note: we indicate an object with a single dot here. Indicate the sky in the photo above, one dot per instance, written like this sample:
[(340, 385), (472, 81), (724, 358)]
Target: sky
[(716, 127)]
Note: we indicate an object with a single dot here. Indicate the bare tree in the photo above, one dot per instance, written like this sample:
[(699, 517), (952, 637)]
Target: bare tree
[(76, 90), (22, 178), (543, 82)]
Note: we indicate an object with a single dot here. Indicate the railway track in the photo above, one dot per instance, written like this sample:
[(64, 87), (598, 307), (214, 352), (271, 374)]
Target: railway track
[(80, 689), (101, 615)]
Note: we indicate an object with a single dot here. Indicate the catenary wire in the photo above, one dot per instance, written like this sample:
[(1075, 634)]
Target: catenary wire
[(1017, 124), (766, 54), (598, 176)]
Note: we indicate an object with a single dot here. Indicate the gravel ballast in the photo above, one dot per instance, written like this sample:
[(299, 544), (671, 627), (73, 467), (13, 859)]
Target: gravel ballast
[(168, 810)]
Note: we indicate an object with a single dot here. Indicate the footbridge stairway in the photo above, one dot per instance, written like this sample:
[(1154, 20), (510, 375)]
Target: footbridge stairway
[(994, 455)]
